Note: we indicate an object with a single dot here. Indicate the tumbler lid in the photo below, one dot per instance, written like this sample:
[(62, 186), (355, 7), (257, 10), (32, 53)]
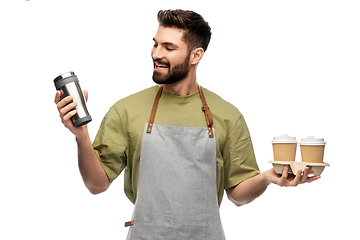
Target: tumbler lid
[(64, 79), (63, 76)]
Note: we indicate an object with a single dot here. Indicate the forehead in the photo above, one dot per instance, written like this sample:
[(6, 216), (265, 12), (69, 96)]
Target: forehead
[(170, 35)]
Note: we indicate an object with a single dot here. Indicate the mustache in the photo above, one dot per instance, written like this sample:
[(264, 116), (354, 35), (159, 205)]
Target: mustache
[(161, 61)]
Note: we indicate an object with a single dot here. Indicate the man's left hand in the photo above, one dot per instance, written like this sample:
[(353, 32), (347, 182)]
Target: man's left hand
[(286, 179)]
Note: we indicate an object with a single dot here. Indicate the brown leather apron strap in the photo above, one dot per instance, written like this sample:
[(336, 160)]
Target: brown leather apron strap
[(153, 111), (205, 108), (208, 116), (130, 223)]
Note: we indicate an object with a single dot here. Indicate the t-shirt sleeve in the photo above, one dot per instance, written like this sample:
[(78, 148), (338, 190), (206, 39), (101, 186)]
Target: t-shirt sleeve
[(239, 158), (111, 143)]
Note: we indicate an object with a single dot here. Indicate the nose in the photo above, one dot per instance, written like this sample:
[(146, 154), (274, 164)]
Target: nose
[(156, 53)]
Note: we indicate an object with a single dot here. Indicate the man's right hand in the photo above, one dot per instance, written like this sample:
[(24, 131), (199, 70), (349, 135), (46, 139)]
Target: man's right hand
[(66, 110)]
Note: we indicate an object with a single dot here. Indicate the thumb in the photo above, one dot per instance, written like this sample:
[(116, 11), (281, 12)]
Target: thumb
[(86, 95)]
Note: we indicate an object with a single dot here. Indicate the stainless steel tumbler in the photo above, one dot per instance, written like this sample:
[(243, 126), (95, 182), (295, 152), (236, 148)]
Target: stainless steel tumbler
[(69, 84)]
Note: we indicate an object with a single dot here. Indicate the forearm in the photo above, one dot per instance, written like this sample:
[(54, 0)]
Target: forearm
[(91, 170), (248, 190)]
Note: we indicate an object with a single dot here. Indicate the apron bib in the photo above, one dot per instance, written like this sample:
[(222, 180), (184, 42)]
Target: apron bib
[(177, 195)]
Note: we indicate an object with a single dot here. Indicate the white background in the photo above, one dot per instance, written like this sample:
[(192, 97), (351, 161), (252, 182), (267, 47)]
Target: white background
[(289, 66)]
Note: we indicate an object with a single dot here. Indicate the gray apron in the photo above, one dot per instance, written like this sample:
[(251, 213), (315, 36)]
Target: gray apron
[(177, 193)]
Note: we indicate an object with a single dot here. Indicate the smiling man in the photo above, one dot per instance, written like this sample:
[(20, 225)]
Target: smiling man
[(176, 51), (180, 144)]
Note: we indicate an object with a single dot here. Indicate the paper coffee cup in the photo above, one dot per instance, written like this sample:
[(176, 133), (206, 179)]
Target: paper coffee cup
[(312, 149), (284, 148)]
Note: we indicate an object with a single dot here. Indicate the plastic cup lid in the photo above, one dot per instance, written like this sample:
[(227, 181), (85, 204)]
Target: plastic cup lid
[(312, 141), (284, 139)]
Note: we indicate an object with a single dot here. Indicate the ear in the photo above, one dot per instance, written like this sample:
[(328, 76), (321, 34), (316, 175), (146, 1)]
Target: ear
[(196, 55)]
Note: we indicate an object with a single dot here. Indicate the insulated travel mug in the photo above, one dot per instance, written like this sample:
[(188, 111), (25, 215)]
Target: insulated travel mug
[(69, 84)]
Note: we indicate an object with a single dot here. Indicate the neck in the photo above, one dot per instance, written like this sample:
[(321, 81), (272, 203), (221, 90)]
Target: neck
[(184, 87)]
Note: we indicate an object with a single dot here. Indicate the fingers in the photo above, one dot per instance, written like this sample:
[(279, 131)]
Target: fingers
[(66, 108), (286, 180), (304, 177), (283, 181), (291, 180), (63, 102), (297, 179), (66, 113), (285, 172), (68, 116), (311, 179)]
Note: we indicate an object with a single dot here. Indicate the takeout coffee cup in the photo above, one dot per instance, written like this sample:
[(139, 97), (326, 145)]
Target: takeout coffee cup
[(312, 149), (284, 148)]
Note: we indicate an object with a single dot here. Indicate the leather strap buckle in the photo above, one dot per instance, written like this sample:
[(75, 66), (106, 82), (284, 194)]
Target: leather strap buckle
[(153, 111), (207, 112)]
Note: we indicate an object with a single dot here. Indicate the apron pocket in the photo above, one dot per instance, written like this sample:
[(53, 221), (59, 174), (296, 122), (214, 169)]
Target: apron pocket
[(169, 231)]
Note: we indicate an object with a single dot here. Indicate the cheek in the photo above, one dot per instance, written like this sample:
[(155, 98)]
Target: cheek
[(176, 59)]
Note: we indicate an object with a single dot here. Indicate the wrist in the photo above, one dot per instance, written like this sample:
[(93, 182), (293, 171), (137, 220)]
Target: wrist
[(82, 138), (265, 179)]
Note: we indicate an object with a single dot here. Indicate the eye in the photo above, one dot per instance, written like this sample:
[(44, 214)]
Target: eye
[(170, 49)]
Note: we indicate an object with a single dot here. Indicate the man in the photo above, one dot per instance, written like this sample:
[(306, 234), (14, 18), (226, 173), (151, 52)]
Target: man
[(180, 144)]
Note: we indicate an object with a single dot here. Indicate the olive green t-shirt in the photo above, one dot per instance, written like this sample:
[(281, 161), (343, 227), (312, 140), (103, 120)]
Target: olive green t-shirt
[(118, 141)]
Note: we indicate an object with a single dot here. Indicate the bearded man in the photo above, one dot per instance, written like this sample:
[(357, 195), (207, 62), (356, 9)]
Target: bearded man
[(180, 144)]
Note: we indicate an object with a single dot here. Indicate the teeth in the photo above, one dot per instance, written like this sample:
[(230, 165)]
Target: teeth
[(160, 65)]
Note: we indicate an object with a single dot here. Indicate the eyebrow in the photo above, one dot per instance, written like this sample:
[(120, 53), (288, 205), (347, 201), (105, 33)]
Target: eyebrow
[(168, 44)]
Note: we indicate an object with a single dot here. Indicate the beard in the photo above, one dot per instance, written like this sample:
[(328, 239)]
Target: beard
[(175, 74)]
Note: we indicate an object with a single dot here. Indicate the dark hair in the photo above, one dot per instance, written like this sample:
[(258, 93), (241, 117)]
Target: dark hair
[(197, 30)]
